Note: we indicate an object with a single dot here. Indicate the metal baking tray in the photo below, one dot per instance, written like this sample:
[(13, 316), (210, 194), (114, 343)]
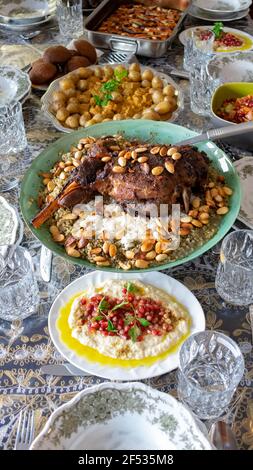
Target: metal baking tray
[(115, 42)]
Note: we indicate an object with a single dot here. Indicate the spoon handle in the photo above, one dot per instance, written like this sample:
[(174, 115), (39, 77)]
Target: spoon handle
[(229, 131)]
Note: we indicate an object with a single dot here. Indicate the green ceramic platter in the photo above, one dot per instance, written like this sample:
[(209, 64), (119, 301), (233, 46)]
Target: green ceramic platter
[(151, 131)]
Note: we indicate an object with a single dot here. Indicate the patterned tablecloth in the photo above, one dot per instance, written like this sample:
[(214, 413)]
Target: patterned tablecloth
[(25, 345)]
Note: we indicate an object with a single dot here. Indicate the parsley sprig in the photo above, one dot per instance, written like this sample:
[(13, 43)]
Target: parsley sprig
[(217, 29), (108, 87)]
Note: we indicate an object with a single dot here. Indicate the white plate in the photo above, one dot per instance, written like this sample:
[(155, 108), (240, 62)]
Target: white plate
[(54, 86), (162, 281), (204, 15), (236, 67), (26, 11), (25, 27), (117, 416), (244, 167), (183, 37), (222, 6), (14, 84)]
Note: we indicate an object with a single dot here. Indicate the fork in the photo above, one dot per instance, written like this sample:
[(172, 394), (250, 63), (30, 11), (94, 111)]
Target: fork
[(25, 432)]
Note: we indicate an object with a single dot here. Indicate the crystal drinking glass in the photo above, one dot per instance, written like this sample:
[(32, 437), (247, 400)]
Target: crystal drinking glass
[(211, 366), (19, 294), (234, 278), (70, 18)]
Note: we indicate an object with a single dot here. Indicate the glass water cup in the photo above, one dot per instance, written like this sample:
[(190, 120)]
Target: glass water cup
[(70, 18), (211, 366), (19, 294), (12, 129), (234, 277)]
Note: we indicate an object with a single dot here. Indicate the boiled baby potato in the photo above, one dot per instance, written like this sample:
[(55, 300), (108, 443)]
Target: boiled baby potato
[(98, 117), (157, 96), (108, 71), (172, 101), (134, 67), (150, 114), (120, 68), (73, 99), (82, 85), (73, 108), (73, 121), (85, 97), (98, 72), (169, 90), (70, 92), (58, 96), (134, 76), (147, 75), (157, 82), (58, 105), (66, 84), (163, 107), (84, 118), (118, 117), (62, 114), (82, 72), (116, 96), (83, 107), (90, 123), (146, 84)]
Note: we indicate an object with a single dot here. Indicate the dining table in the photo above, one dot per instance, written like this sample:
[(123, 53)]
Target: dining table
[(25, 345)]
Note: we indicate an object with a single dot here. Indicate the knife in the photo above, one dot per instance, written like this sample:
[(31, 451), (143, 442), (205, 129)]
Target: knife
[(220, 133), (63, 370), (45, 263)]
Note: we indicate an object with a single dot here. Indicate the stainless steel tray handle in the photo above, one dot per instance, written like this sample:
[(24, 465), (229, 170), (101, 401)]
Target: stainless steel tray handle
[(120, 45)]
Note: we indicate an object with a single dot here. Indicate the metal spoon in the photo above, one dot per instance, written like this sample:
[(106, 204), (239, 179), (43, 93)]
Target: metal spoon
[(222, 436), (219, 133)]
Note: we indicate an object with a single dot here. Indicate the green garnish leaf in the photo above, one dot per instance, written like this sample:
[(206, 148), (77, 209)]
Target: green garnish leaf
[(217, 29), (134, 332), (128, 319), (119, 74), (111, 85), (111, 326), (119, 306), (143, 321), (98, 100), (98, 318), (130, 287), (103, 305)]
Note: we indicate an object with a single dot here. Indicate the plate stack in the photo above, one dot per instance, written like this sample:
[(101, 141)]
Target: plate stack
[(25, 15), (216, 10)]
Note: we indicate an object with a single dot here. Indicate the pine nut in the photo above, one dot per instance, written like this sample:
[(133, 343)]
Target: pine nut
[(214, 192), (134, 155), (118, 169), (95, 251), (141, 149), (170, 167), (157, 170), (124, 266), (122, 161), (171, 151), (141, 263), (99, 258), (161, 257), (196, 223), (222, 210), (69, 168), (203, 216), (228, 191), (73, 252), (78, 155), (155, 150), (163, 151), (218, 198), (176, 156), (106, 159), (151, 255), (129, 254), (211, 185), (142, 159), (106, 246), (122, 153), (70, 216), (103, 263)]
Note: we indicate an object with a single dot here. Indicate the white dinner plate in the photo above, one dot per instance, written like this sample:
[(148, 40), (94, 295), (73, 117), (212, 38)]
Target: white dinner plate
[(25, 27), (122, 416), (183, 37), (206, 16), (159, 280), (224, 6), (26, 11), (244, 167)]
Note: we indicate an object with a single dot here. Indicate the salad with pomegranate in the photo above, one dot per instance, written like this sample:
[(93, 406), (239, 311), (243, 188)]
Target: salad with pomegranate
[(237, 110), (225, 40), (128, 320)]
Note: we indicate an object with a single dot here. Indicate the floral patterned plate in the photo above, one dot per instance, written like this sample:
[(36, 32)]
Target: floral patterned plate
[(121, 416), (244, 167), (113, 369)]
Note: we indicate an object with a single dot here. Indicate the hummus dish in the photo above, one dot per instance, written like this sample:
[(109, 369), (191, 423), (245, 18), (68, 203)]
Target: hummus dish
[(128, 320)]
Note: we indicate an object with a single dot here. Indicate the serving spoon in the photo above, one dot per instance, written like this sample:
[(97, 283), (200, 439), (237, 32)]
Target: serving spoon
[(219, 133)]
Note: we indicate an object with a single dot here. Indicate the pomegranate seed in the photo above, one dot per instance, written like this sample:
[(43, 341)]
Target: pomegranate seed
[(124, 291)]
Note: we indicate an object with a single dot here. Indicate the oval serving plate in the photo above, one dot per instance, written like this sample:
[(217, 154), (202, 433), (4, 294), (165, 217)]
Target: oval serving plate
[(54, 86), (247, 37), (113, 371), (122, 416), (142, 130)]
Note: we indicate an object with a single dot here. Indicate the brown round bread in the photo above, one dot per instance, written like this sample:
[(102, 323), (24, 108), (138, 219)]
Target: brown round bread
[(57, 55), (42, 72), (86, 49), (76, 62)]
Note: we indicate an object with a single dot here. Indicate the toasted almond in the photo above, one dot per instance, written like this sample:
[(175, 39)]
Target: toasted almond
[(147, 245), (46, 181), (58, 237), (80, 146), (95, 251), (205, 221), (114, 148), (214, 192), (69, 168), (106, 247), (171, 151), (193, 213), (196, 223), (158, 248), (203, 216), (170, 167), (163, 151), (103, 263), (186, 219), (76, 163), (57, 171), (99, 258), (150, 255), (184, 232), (112, 250), (208, 194), (141, 263), (68, 162), (221, 191), (141, 149), (222, 210), (162, 257), (187, 226), (125, 266), (47, 175), (73, 252), (221, 204), (62, 164), (122, 153), (106, 159), (218, 198), (228, 191), (142, 159), (146, 168), (203, 208), (211, 184), (210, 203), (78, 155), (127, 155), (118, 169), (49, 198), (196, 202), (155, 150), (157, 170), (54, 230), (70, 216), (122, 161), (176, 156), (134, 155), (129, 254)]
